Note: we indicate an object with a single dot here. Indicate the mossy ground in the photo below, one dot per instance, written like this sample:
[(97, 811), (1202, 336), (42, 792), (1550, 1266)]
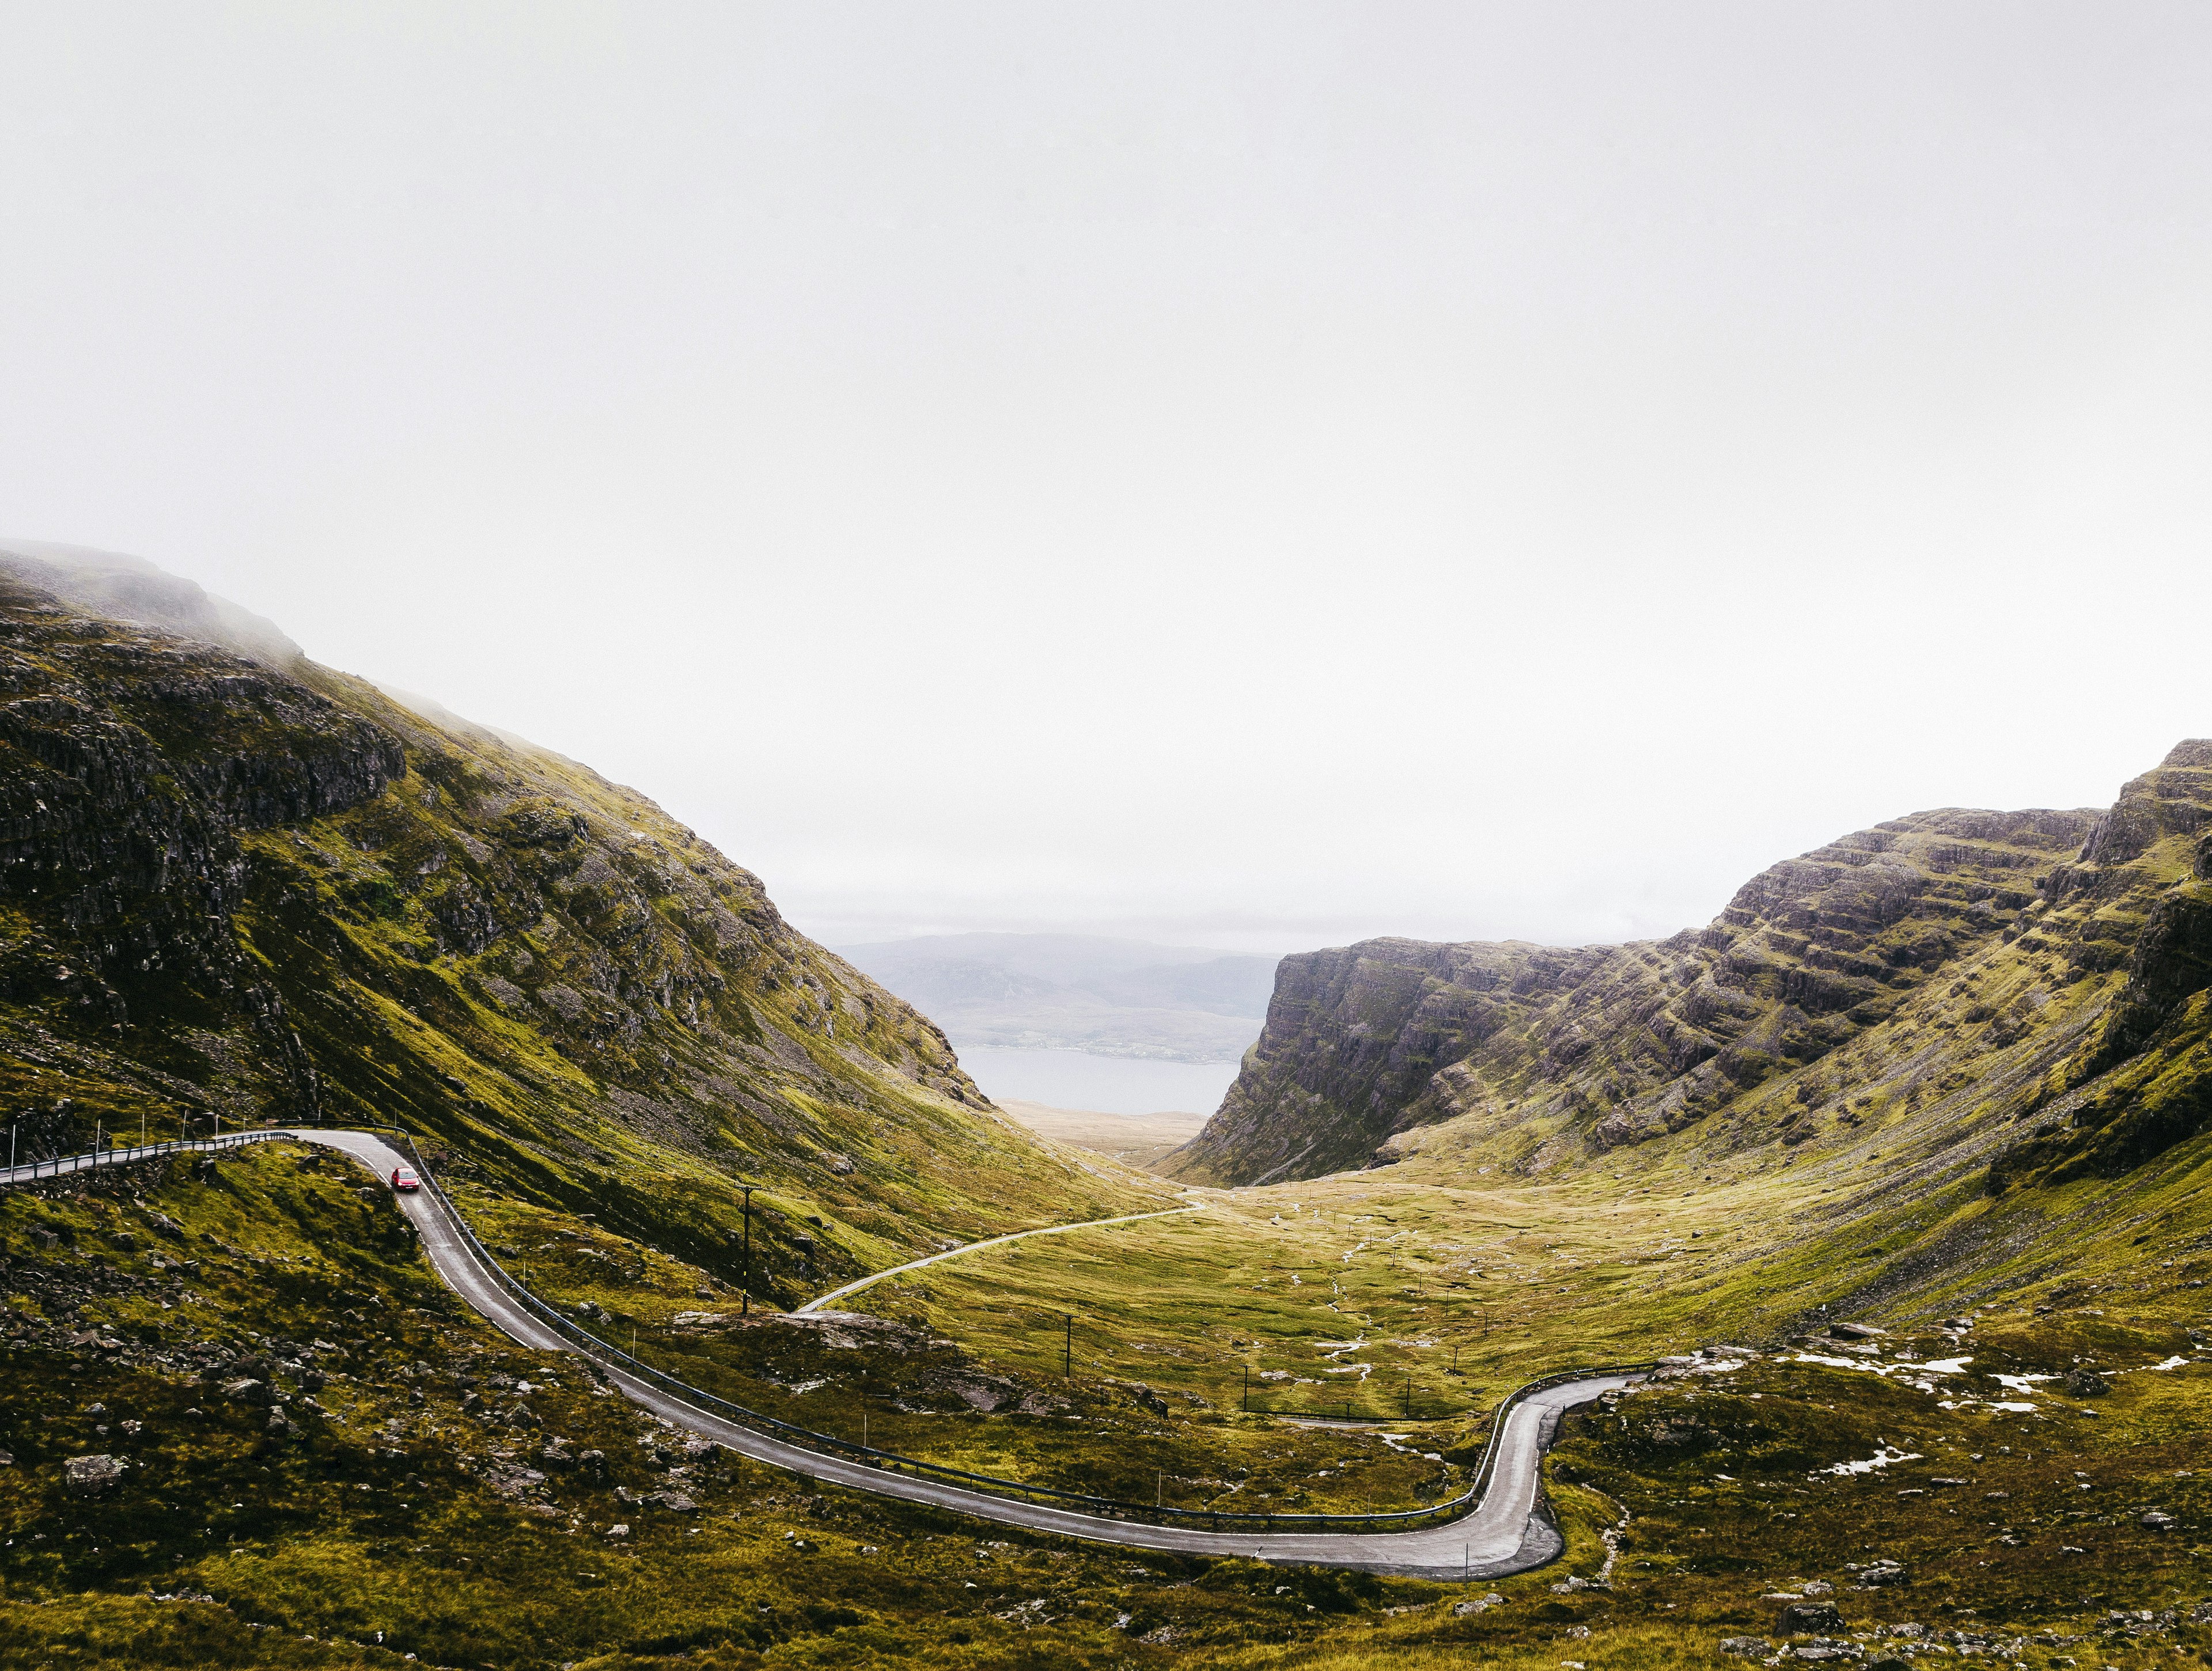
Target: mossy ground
[(246, 894), (387, 1513)]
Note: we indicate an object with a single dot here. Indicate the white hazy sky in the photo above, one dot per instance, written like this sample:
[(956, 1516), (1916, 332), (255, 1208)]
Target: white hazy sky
[(1253, 475)]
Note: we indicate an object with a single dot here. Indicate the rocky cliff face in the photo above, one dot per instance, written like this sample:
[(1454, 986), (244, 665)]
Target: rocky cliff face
[(238, 890), (1932, 959)]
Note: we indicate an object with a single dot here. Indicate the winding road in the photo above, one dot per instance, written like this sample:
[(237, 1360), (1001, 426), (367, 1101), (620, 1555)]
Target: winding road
[(1502, 1535)]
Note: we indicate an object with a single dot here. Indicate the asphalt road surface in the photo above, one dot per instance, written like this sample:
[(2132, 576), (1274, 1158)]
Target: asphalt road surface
[(1501, 1535)]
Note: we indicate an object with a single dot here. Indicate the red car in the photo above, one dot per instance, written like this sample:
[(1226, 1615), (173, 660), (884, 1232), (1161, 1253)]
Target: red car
[(405, 1182)]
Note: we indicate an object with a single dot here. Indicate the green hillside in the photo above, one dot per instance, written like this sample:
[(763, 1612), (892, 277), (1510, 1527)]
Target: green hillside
[(1919, 988), (244, 890)]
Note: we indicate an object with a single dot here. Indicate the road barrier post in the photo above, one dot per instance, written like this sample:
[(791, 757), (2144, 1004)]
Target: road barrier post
[(746, 1297)]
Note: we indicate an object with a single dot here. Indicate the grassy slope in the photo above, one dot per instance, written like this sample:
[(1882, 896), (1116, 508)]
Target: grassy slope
[(398, 1506), (1899, 965), (703, 1039), (387, 1514), (242, 892)]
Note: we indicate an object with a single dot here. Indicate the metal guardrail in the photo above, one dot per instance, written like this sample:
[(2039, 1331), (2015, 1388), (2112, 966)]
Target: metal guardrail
[(610, 1356), (98, 1160)]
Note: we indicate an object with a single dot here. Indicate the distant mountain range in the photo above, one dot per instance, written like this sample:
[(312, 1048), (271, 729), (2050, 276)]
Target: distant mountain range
[(1074, 992)]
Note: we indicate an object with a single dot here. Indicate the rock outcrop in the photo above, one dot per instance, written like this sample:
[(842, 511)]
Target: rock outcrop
[(1959, 947), (243, 887)]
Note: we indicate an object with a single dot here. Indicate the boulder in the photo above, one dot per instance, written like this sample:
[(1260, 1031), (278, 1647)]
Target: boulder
[(1810, 1619), (89, 1476), (2156, 1520), (2085, 1383), (1749, 1647), (280, 1423), (990, 1397), (248, 1391)]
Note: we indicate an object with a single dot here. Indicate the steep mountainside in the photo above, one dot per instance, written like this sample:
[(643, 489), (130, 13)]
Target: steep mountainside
[(243, 886), (1966, 970)]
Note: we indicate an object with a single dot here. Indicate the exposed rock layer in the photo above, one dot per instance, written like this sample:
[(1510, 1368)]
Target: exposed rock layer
[(239, 889), (1949, 932)]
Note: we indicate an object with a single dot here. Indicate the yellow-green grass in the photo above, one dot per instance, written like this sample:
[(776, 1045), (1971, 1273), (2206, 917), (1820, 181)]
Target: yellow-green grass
[(383, 1513), (457, 1572)]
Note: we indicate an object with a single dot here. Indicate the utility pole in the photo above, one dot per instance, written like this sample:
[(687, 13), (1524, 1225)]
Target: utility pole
[(1067, 1351), (1160, 1489), (745, 1299), (1247, 1389), (95, 1143), (1409, 1398)]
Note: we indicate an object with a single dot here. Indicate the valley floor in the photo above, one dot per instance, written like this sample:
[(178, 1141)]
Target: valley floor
[(1953, 1487)]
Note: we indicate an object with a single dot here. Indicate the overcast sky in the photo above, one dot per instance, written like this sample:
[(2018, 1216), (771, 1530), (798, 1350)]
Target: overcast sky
[(1259, 475)]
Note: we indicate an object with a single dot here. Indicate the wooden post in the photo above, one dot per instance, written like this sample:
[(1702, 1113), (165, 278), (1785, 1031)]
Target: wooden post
[(745, 1298)]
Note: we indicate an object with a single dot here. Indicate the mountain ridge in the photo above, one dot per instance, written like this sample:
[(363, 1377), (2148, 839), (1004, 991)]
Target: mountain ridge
[(1541, 1057), (237, 890)]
